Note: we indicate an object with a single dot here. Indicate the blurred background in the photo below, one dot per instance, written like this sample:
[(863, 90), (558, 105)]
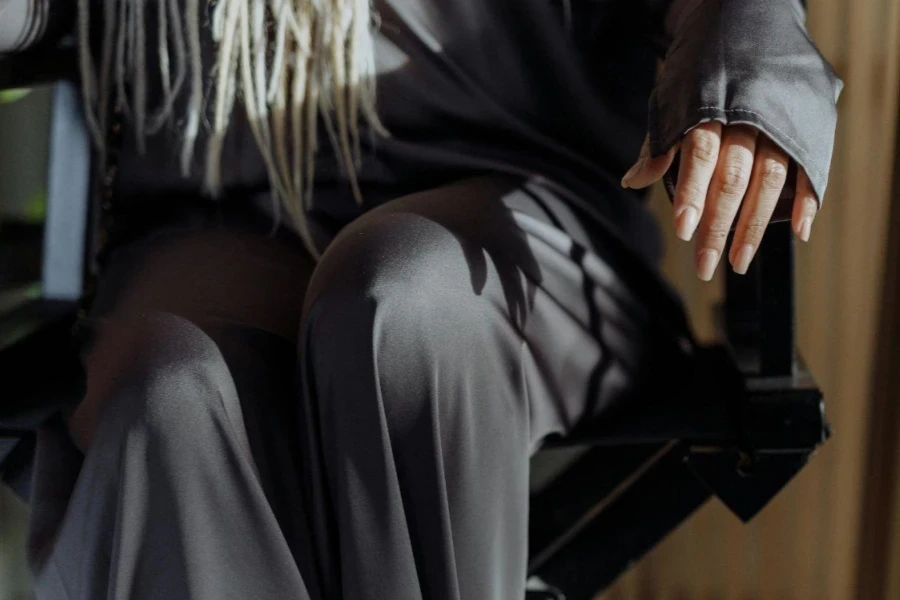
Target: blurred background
[(24, 140), (834, 533)]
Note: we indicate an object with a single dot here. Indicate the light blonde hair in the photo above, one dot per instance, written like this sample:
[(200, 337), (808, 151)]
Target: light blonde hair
[(289, 62)]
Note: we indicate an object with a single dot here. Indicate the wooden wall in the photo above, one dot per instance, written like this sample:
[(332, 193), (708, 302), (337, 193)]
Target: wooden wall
[(806, 544)]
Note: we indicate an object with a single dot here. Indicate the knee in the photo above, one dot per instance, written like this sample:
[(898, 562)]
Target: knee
[(397, 270), (391, 301), (159, 372)]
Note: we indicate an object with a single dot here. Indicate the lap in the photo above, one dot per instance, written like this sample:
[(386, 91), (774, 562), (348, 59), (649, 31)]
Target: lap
[(479, 269), (502, 218), (499, 281), (445, 244)]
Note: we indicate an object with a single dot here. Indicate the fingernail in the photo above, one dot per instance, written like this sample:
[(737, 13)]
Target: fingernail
[(706, 264), (805, 227), (632, 172), (742, 260), (686, 222)]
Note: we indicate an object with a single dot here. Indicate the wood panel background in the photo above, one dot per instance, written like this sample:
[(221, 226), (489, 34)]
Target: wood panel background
[(806, 544)]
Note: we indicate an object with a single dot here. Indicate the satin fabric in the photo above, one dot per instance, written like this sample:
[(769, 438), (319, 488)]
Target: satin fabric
[(360, 429)]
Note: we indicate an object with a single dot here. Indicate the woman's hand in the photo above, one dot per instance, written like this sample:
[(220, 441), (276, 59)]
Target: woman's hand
[(725, 169)]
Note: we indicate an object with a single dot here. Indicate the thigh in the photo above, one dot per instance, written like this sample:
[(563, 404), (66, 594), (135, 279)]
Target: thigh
[(191, 346), (594, 324), (209, 277), (241, 292), (209, 273)]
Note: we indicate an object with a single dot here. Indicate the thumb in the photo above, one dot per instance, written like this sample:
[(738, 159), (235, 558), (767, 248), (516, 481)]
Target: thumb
[(648, 169)]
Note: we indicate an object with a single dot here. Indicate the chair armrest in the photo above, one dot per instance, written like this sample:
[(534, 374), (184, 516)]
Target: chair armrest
[(649, 467), (757, 317)]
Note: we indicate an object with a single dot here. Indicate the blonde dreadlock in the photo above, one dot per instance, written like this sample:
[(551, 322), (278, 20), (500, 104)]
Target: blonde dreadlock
[(289, 62)]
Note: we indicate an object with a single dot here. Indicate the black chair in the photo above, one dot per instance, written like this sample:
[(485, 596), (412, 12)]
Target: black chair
[(750, 420)]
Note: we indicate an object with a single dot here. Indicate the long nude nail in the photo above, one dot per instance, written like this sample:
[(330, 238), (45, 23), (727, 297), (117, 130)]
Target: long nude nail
[(632, 171), (706, 264), (686, 223), (805, 227), (743, 258)]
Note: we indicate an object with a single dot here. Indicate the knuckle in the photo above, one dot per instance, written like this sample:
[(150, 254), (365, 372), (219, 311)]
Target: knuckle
[(704, 146), (755, 228), (773, 174), (734, 178), (693, 191), (717, 234)]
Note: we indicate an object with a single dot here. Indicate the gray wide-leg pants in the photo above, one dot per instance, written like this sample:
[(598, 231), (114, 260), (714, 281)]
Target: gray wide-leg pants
[(355, 429)]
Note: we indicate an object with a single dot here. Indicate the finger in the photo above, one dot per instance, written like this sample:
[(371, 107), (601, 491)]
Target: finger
[(648, 169), (769, 176), (699, 155), (806, 205), (726, 192)]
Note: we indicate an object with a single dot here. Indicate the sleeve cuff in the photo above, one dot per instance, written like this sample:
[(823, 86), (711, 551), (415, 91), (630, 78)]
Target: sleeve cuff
[(753, 63)]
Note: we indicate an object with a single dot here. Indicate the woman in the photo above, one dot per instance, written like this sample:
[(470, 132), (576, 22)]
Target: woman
[(329, 332)]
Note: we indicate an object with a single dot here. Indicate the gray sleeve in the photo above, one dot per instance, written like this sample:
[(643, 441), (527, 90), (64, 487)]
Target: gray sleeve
[(26, 23), (737, 61)]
